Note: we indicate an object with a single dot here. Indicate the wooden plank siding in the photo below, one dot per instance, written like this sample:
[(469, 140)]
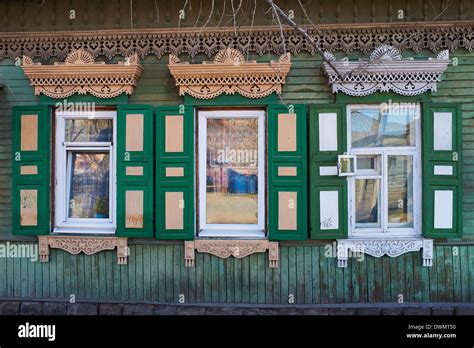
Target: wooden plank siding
[(55, 15), (305, 84), (65, 275)]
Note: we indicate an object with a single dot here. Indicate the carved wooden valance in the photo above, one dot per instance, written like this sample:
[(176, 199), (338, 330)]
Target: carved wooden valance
[(230, 73), (380, 247), (87, 245), (386, 71), (81, 74), (225, 248)]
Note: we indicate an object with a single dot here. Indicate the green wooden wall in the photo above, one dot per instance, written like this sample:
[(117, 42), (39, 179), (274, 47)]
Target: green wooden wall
[(54, 15), (305, 84), (156, 273)]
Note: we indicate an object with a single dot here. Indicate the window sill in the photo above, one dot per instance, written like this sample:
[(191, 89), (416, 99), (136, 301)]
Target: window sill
[(378, 247), (84, 230), (250, 234)]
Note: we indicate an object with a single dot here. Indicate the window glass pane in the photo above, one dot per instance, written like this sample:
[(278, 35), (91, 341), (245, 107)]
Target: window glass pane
[(232, 171), (400, 191), (374, 127), (89, 130), (367, 196), (88, 182)]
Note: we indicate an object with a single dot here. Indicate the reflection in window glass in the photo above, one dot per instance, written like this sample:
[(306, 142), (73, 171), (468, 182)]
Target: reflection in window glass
[(232, 171), (400, 191), (367, 195), (88, 182), (374, 127), (88, 130)]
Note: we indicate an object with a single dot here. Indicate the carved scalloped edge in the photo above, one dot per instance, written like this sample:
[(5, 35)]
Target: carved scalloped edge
[(434, 37), (87, 245), (378, 247), (225, 248)]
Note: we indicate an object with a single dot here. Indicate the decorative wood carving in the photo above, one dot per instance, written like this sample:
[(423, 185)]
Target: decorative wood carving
[(386, 71), (434, 36), (87, 245), (230, 73), (225, 248), (81, 74), (381, 247)]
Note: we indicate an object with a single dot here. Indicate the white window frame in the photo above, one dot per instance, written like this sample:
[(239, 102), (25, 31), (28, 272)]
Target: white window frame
[(63, 224), (384, 230), (231, 230)]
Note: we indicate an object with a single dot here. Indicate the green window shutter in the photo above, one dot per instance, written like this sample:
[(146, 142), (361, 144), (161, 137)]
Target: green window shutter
[(31, 170), (328, 191), (287, 173), (175, 173), (442, 171), (135, 171)]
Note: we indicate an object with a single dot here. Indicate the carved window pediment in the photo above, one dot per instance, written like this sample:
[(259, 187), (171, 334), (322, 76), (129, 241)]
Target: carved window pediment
[(80, 74), (386, 71), (230, 73)]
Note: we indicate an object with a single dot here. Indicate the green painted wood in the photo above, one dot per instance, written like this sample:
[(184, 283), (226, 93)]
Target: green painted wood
[(434, 277), (395, 291), (169, 294), (304, 272), (378, 279), (387, 291), (177, 289), (143, 226), (409, 282), (284, 272), (300, 293), (172, 159), (230, 279), (308, 289), (315, 254), (319, 183), (371, 278), (431, 182), (214, 272), (448, 268), (441, 273), (465, 286), (238, 274), (323, 278), (471, 274)]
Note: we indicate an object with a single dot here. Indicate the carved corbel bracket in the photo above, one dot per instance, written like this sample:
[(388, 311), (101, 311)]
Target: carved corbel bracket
[(87, 245), (225, 248)]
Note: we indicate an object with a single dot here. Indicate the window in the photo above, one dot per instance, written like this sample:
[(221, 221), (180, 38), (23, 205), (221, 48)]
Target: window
[(384, 193), (85, 172), (231, 173)]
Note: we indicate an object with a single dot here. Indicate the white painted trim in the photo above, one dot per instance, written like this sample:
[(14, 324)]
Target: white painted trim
[(226, 230), (443, 170), (443, 208), (327, 122), (443, 131), (63, 224), (386, 231), (328, 170)]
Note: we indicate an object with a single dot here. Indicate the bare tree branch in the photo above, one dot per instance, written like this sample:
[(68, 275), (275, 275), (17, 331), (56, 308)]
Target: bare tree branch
[(303, 32)]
